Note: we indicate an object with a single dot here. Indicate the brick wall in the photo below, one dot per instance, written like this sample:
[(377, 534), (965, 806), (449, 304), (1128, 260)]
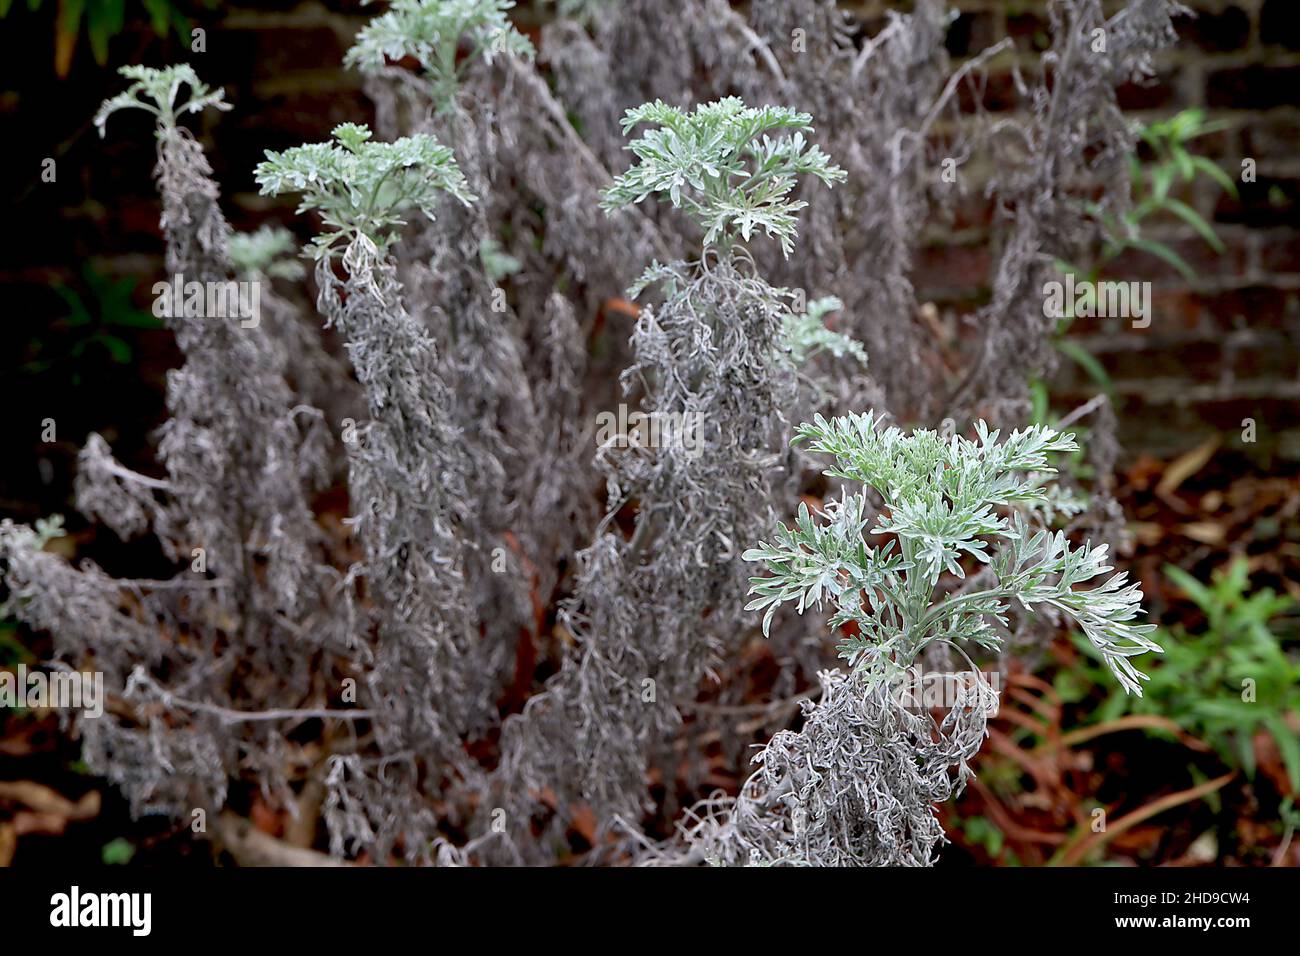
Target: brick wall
[(1219, 349), (1225, 346)]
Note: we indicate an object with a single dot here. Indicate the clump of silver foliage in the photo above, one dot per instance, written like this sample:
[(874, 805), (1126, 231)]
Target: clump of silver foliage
[(474, 265), (858, 783)]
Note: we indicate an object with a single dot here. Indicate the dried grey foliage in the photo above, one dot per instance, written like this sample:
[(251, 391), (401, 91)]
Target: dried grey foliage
[(861, 241), (191, 659), (128, 503), (432, 679), (541, 186), (482, 359), (318, 376), (640, 606), (853, 787), (562, 511)]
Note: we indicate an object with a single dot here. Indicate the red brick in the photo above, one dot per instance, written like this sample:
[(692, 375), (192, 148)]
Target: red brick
[(1032, 32), (1136, 264), (1267, 135), (1279, 23), (1252, 306), (1269, 201), (1270, 359), (1217, 31), (1254, 87), (1150, 95), (1200, 361), (996, 92), (1280, 252), (951, 267), (1173, 309)]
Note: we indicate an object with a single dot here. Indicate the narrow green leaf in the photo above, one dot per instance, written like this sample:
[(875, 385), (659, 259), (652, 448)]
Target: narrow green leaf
[(1161, 251), (1193, 219), (1213, 170), (1087, 361)]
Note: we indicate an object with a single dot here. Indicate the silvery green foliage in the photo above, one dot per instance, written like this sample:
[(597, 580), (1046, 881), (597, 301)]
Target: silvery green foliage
[(190, 658), (944, 499), (269, 251), (654, 614), (408, 482), (363, 189), (807, 335), (433, 33), (723, 168), (158, 92), (857, 783)]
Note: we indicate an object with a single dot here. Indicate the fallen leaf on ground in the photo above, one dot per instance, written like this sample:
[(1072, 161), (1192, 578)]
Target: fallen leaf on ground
[(1186, 465)]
